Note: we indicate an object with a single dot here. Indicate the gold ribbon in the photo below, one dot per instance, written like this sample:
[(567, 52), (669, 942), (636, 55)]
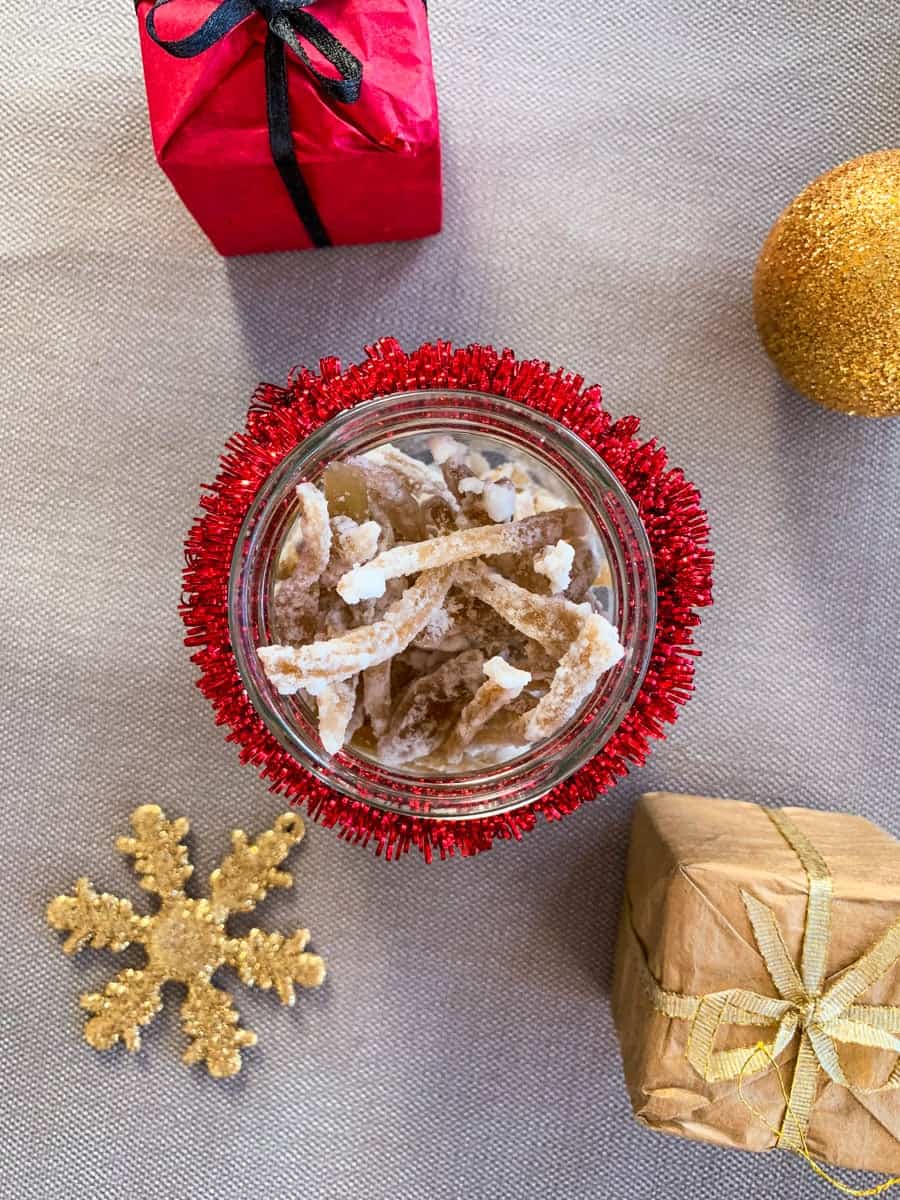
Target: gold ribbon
[(820, 1016)]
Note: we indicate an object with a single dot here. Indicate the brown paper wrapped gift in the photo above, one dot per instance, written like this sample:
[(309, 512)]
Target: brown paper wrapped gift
[(745, 926)]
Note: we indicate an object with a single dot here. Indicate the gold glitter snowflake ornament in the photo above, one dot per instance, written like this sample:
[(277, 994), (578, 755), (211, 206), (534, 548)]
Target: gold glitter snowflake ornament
[(186, 940)]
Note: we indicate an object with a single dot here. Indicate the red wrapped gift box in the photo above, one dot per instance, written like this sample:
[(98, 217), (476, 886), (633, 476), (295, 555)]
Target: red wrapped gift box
[(288, 124)]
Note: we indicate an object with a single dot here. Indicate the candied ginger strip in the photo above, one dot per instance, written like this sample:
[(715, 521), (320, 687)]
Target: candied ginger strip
[(313, 546), (306, 550), (377, 696), (290, 668), (428, 707), (550, 620), (503, 685), (595, 650), (531, 533), (296, 597), (336, 703)]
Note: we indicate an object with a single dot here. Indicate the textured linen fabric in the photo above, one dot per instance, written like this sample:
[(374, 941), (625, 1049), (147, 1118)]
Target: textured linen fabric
[(611, 171)]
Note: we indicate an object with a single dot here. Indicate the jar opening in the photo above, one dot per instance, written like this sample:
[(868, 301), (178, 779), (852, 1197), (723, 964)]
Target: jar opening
[(565, 475)]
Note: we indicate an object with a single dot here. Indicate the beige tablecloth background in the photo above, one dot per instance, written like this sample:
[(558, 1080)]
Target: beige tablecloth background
[(611, 170)]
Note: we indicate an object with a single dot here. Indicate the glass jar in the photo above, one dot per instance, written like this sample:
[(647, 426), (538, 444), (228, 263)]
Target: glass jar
[(579, 474)]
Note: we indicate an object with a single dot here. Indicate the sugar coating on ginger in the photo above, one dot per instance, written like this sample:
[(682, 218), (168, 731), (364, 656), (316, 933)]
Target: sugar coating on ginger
[(506, 676), (556, 563), (444, 448), (366, 582), (411, 603), (336, 703), (500, 501)]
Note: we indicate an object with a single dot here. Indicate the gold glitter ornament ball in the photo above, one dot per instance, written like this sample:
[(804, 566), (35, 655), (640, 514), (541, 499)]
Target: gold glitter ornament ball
[(826, 293)]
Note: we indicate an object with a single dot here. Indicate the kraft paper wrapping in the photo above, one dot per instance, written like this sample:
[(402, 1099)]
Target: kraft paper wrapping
[(690, 858)]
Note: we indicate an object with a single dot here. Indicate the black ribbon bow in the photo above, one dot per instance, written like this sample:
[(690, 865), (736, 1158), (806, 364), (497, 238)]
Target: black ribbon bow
[(288, 23)]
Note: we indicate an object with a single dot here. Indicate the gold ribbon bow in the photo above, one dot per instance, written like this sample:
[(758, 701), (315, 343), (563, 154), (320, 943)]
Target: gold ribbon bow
[(821, 1016)]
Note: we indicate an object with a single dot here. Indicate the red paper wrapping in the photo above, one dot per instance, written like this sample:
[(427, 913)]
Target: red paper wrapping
[(372, 167)]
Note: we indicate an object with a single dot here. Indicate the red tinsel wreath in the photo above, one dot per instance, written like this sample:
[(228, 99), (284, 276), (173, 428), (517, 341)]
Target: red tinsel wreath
[(279, 418)]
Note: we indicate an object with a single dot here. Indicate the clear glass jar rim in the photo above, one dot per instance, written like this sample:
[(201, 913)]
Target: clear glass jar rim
[(519, 781)]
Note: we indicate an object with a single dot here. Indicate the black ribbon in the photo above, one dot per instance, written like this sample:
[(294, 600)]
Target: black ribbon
[(288, 23)]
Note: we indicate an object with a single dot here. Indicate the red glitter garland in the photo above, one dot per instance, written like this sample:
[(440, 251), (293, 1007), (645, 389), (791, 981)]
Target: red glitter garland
[(279, 418)]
